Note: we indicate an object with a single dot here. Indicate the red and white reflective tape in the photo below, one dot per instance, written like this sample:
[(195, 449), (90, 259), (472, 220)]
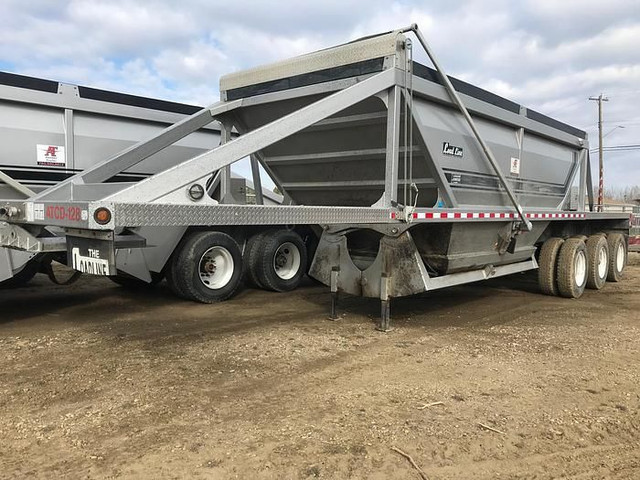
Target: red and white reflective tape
[(484, 215), (555, 215)]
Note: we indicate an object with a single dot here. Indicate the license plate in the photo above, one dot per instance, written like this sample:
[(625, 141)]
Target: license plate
[(91, 256)]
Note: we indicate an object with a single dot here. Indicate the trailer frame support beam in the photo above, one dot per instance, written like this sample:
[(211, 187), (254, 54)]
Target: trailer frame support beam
[(465, 113), (200, 167)]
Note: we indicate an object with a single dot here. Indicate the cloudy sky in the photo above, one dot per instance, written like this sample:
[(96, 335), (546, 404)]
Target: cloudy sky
[(549, 55)]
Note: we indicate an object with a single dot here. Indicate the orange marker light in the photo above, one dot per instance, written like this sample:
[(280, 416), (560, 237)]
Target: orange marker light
[(102, 216)]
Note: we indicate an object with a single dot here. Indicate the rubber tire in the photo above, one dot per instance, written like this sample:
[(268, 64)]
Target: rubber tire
[(594, 244), (265, 271), (547, 278), (565, 272), (23, 277), (171, 270), (614, 239), (127, 281), (172, 281), (251, 255), (311, 242), (186, 267)]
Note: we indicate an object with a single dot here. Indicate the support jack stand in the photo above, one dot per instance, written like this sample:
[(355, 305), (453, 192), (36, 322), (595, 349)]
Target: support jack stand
[(385, 305), (385, 316), (335, 271)]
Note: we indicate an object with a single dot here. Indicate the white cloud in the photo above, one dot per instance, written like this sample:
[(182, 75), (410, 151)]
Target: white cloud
[(545, 54)]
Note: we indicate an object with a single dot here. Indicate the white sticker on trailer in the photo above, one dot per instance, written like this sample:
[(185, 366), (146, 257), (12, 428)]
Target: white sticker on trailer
[(515, 166), (28, 211), (38, 211), (34, 211), (51, 155)]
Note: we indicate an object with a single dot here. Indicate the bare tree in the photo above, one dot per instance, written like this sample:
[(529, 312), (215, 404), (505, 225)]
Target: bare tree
[(621, 194)]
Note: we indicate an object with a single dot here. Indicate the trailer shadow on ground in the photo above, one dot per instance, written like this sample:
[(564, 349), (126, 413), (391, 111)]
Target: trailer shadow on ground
[(96, 302)]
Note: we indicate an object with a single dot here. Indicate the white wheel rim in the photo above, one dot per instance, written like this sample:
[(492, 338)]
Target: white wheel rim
[(216, 268), (580, 268), (286, 261), (602, 262), (620, 257)]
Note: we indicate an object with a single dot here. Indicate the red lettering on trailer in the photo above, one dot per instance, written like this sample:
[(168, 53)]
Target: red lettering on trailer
[(60, 212)]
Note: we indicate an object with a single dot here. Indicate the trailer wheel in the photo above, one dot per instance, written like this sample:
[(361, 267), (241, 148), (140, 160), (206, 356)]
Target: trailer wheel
[(23, 277), (172, 281), (171, 271), (598, 257), (572, 268), (617, 256), (281, 261), (251, 262), (208, 267), (547, 278)]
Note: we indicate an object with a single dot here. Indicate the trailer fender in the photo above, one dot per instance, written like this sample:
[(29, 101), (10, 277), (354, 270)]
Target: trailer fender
[(161, 242)]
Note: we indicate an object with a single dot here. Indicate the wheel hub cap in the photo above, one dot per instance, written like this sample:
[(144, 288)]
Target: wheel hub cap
[(216, 268), (602, 262), (620, 257), (286, 261), (580, 269)]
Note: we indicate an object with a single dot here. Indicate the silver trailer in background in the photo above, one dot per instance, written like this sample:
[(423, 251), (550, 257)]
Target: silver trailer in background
[(50, 131), (634, 235), (414, 181)]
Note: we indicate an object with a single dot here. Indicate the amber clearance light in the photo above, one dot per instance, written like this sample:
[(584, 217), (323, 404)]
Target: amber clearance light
[(102, 216)]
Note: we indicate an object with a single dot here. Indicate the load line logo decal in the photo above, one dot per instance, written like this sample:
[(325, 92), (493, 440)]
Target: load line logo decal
[(452, 150)]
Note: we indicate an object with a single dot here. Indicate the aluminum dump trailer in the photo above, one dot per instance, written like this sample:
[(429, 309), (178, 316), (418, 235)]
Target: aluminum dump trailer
[(51, 130), (412, 180)]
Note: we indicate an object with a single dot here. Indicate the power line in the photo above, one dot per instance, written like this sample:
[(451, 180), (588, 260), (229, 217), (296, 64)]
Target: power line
[(565, 107), (622, 149), (621, 146), (618, 148)]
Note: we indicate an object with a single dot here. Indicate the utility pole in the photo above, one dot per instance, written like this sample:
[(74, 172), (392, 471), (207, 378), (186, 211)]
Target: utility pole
[(600, 98)]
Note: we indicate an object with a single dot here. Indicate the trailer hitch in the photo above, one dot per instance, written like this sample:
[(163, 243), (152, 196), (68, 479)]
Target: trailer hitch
[(9, 211)]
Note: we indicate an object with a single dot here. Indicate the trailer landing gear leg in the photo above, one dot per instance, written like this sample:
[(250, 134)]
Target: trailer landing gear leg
[(335, 271), (385, 305), (385, 316)]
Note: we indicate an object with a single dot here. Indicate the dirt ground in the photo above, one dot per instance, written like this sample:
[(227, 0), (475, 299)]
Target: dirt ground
[(100, 382)]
